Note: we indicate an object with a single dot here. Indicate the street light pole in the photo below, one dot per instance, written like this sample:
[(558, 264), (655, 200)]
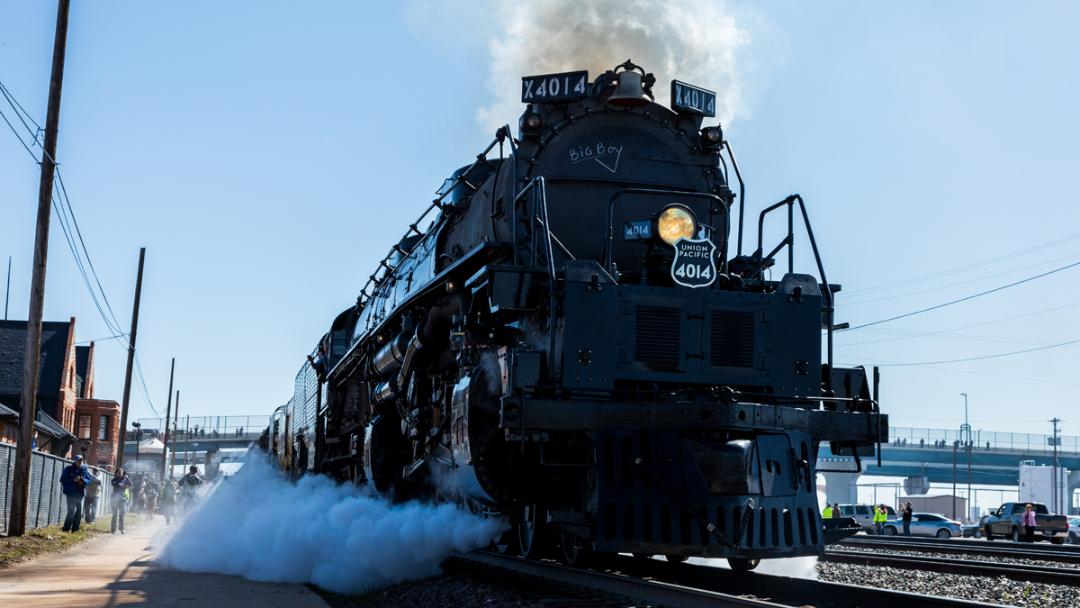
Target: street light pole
[(967, 444)]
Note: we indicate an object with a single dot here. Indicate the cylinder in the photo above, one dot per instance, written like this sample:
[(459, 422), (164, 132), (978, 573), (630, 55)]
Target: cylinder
[(389, 358)]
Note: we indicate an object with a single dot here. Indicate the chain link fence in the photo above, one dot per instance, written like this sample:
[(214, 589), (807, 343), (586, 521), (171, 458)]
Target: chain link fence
[(47, 505)]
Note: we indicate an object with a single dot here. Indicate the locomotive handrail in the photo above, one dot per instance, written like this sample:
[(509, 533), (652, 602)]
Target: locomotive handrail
[(377, 278), (742, 193), (609, 249), (789, 242), (537, 189)]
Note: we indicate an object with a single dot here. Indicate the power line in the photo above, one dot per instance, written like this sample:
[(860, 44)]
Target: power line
[(15, 132), (860, 302), (104, 339), (142, 384), (963, 299), (86, 252), (962, 327), (984, 357), (15, 102), (958, 269), (73, 235)]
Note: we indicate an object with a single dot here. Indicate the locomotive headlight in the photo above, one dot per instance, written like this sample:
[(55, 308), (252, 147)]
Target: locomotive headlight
[(676, 222)]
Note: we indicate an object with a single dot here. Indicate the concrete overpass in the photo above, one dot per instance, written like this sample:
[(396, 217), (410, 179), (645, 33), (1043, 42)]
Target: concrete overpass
[(994, 459), (192, 438)]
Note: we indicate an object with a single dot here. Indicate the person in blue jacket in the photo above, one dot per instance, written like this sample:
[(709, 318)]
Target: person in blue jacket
[(74, 480)]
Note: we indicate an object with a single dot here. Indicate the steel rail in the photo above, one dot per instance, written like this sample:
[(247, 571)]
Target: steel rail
[(968, 541), (786, 590), (669, 584), (954, 548), (652, 592), (1019, 572)]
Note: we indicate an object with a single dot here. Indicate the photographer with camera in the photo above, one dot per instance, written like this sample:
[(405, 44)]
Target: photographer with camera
[(74, 480)]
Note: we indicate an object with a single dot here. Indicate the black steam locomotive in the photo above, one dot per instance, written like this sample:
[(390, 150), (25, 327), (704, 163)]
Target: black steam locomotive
[(573, 345)]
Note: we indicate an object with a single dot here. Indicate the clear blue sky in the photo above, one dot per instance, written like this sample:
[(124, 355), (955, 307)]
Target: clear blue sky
[(267, 153)]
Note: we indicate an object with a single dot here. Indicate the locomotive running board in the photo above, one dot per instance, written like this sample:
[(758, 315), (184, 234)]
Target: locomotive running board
[(567, 415)]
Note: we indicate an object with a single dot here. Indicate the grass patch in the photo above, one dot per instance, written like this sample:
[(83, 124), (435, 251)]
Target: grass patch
[(41, 541)]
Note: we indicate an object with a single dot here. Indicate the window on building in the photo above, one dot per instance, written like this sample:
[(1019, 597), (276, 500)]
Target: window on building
[(84, 426), (103, 429)]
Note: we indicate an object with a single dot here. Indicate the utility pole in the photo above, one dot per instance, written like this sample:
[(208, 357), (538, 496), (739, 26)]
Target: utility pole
[(1057, 485), (20, 489), (955, 446), (187, 438), (7, 292), (967, 446), (131, 359), (176, 435), (168, 413)]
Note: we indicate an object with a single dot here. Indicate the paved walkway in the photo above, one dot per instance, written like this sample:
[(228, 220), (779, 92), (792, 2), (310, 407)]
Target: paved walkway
[(119, 571)]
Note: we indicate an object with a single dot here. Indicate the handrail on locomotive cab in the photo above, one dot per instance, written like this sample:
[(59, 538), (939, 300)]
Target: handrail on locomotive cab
[(609, 248), (375, 279), (789, 242), (742, 193), (537, 190)]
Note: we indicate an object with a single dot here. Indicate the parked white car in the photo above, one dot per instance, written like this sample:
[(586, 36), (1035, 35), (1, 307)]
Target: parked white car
[(926, 524)]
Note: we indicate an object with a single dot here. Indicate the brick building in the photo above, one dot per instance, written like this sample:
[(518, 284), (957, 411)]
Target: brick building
[(97, 425), (59, 383)]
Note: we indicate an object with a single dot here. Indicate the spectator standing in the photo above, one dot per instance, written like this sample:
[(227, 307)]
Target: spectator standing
[(121, 490), (93, 492), (150, 498), (168, 500), (189, 484), (907, 519), (74, 480), (880, 517), (1029, 523)]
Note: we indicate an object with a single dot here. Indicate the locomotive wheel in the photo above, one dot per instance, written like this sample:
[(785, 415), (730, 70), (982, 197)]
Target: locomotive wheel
[(573, 551), (742, 564), (529, 530)]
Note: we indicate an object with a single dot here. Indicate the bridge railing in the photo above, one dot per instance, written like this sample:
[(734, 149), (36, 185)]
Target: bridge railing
[(980, 440), (202, 427)]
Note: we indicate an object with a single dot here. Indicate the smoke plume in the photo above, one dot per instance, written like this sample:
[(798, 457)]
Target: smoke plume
[(263, 527), (690, 40)]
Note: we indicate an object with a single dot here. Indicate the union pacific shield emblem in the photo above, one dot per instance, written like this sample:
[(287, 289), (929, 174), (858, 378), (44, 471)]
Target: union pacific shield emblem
[(695, 262)]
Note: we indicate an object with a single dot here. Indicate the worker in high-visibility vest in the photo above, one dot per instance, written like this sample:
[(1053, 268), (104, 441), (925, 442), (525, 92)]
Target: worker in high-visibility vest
[(826, 513), (881, 515)]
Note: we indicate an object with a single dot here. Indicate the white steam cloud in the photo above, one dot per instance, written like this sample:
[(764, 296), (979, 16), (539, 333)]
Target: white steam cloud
[(695, 41), (262, 527)]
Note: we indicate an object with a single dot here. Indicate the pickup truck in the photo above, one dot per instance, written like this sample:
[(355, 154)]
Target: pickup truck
[(1006, 523)]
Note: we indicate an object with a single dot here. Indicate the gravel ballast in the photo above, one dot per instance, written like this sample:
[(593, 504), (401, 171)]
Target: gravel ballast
[(992, 590), (1020, 561)]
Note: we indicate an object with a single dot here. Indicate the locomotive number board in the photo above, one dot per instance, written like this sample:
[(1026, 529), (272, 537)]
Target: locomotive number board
[(550, 88), (688, 98)]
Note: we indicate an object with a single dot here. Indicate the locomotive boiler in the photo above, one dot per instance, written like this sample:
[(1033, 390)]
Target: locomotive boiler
[(580, 344)]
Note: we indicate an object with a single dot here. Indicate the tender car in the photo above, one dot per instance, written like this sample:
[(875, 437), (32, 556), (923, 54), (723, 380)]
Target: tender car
[(1074, 530), (1005, 523), (925, 524)]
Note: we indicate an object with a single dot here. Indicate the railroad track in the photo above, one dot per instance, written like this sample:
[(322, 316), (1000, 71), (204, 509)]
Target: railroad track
[(657, 583), (987, 549), (1019, 572)]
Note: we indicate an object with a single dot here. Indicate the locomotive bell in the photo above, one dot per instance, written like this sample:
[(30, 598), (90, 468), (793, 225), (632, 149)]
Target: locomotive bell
[(628, 91)]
